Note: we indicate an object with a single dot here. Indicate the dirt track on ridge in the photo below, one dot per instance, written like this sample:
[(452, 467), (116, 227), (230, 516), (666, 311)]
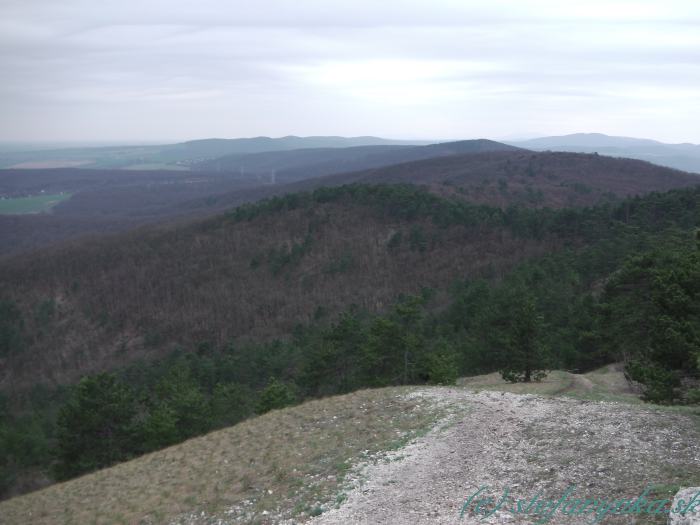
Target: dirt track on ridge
[(523, 443)]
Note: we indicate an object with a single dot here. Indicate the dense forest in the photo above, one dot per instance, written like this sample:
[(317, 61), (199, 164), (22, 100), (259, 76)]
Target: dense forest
[(440, 288)]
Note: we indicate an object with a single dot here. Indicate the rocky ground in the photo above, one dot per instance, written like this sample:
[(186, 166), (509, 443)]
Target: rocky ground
[(526, 445), (405, 455)]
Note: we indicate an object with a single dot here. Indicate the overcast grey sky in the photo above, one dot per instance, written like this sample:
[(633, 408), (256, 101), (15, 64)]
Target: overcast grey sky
[(174, 69)]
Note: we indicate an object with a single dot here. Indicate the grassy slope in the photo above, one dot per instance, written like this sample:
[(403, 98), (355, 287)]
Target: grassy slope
[(604, 384), (285, 463), (286, 459)]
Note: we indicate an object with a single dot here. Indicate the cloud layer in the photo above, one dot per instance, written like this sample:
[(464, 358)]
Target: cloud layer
[(172, 70)]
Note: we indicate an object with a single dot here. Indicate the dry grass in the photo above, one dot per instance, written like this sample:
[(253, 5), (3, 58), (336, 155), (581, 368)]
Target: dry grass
[(555, 382), (282, 463), (287, 464), (607, 383)]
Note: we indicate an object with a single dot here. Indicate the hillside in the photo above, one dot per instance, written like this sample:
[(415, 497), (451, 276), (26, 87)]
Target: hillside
[(554, 180), (203, 324), (259, 271), (307, 163), (128, 296), (107, 200), (503, 178), (397, 455)]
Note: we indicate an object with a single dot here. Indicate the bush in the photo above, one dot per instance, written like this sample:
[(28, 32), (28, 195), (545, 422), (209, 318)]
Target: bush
[(660, 385)]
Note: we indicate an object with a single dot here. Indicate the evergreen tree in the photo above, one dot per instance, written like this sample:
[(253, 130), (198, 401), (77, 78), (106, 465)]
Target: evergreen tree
[(651, 320), (440, 365), (96, 427), (179, 410), (230, 403), (524, 356), (11, 328), (276, 395)]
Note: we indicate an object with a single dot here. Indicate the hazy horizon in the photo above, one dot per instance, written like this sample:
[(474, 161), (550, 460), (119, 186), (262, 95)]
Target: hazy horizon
[(10, 145), (153, 71)]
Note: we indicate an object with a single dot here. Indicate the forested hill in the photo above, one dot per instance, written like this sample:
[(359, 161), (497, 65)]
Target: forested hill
[(305, 163), (499, 178), (260, 270)]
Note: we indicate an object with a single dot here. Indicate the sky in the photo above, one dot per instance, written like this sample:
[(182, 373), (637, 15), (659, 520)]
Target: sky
[(167, 70)]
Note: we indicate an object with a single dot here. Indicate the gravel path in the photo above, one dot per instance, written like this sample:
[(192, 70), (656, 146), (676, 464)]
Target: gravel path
[(525, 444)]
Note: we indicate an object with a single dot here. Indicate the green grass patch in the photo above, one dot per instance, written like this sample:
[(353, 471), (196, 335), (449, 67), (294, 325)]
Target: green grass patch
[(34, 204)]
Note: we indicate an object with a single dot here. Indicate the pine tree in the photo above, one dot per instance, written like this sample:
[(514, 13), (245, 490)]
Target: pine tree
[(525, 357), (96, 427), (276, 395)]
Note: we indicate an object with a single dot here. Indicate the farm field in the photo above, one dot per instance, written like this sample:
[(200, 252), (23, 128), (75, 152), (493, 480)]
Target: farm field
[(34, 204)]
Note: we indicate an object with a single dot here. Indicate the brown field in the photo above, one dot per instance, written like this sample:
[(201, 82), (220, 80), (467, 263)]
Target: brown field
[(49, 164)]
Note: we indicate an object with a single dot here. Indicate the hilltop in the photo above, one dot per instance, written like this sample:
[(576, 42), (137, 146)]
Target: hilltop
[(679, 156), (550, 179), (399, 455), (502, 178), (307, 163)]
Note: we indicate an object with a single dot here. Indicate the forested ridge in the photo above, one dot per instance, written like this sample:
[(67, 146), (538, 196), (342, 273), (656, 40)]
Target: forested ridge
[(201, 325), (104, 201)]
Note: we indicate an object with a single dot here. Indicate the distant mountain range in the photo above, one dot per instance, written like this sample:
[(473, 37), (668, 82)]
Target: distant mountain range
[(180, 155), (322, 155), (684, 157), (300, 164)]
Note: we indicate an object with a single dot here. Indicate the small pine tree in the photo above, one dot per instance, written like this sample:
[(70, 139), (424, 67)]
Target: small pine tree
[(525, 356), (179, 411), (230, 403), (441, 365), (276, 395)]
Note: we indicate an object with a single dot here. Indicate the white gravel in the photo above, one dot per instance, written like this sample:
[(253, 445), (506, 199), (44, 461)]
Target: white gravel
[(524, 443)]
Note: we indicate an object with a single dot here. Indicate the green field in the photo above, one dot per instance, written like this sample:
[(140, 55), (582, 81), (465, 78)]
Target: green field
[(34, 204)]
